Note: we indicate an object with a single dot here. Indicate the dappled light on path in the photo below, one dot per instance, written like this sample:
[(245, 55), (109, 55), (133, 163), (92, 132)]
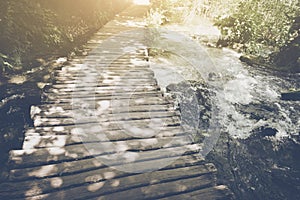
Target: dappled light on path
[(106, 131)]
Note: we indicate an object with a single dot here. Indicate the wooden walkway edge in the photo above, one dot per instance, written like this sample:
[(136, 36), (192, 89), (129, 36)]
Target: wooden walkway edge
[(106, 131)]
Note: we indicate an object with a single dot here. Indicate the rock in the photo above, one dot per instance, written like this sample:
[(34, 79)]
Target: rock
[(257, 168), (291, 96), (15, 102), (194, 99), (222, 43), (264, 132)]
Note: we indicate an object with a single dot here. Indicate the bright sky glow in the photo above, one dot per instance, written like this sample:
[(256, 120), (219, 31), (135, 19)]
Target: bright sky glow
[(141, 2)]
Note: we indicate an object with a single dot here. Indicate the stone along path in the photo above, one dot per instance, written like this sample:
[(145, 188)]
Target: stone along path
[(105, 130)]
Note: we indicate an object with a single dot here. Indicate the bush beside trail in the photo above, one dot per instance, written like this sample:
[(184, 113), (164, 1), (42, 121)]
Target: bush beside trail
[(35, 28)]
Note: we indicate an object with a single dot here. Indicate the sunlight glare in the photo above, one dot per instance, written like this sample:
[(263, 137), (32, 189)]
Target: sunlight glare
[(141, 2)]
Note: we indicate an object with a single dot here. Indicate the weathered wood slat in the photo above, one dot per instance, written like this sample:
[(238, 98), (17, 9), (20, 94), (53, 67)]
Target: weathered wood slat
[(219, 192), (77, 103), (114, 86), (36, 157), (113, 134), (166, 188), (116, 89), (53, 112), (185, 165), (110, 124), (74, 105), (88, 96), (78, 84), (113, 95), (37, 140), (102, 75), (113, 115)]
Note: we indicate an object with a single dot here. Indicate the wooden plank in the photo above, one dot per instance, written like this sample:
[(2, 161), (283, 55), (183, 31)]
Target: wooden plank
[(75, 105), (108, 64), (152, 190), (100, 96), (117, 89), (139, 91), (114, 135), (107, 72), (127, 59), (88, 94), (102, 77), (35, 140), (102, 68), (95, 104), (104, 116), (186, 165), (75, 67), (163, 178), (139, 100), (94, 85), (147, 161), (112, 123), (78, 84), (107, 76), (106, 82), (104, 91), (77, 156), (59, 112), (219, 192)]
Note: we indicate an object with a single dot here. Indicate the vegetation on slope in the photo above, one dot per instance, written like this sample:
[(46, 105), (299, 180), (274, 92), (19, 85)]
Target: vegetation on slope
[(265, 28), (32, 28)]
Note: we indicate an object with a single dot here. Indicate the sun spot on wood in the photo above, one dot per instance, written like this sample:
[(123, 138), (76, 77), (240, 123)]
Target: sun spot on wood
[(71, 155), (109, 175), (29, 151), (97, 163), (37, 121), (35, 189), (154, 181), (95, 186), (95, 178), (43, 171), (31, 142), (181, 188), (56, 182), (121, 146), (17, 79), (102, 137), (47, 128), (58, 129), (221, 187), (149, 142), (78, 131), (104, 105), (130, 156), (115, 183), (57, 151)]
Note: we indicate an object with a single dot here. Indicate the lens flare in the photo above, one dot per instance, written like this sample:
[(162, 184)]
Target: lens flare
[(141, 2)]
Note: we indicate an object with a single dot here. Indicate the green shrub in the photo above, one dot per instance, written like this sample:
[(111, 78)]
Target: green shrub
[(261, 26), (32, 28), (168, 11)]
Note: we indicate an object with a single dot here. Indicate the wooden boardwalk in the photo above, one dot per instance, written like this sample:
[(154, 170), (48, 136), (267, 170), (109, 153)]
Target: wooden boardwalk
[(105, 131)]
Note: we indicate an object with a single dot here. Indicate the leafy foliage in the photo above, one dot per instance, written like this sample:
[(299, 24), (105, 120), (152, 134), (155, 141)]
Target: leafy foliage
[(264, 28), (260, 25), (29, 28), (167, 11)]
